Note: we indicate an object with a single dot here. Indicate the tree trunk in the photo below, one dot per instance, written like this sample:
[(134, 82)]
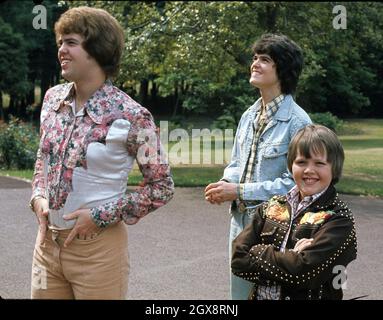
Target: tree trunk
[(143, 95), (153, 92), (22, 112), (44, 86), (176, 97), (11, 104), (1, 107), (271, 16), (31, 93)]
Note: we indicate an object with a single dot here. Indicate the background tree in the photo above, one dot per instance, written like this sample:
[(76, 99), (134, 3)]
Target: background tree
[(39, 54), (13, 71), (187, 57)]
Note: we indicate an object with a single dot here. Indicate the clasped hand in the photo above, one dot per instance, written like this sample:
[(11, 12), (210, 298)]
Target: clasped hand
[(221, 191), (302, 244)]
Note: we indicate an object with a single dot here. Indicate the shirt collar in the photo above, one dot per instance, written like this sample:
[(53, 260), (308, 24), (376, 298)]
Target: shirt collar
[(96, 104), (271, 108), (284, 112), (275, 103), (293, 198), (293, 194)]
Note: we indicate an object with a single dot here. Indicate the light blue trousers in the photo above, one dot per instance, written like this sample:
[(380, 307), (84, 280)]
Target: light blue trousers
[(239, 288)]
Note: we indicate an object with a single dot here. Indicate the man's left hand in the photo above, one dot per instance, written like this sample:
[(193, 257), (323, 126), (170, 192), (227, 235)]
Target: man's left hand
[(84, 226)]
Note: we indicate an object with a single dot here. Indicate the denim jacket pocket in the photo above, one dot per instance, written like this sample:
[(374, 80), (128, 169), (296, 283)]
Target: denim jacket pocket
[(276, 150)]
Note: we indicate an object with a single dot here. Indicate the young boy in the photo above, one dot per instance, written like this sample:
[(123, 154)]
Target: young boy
[(296, 244)]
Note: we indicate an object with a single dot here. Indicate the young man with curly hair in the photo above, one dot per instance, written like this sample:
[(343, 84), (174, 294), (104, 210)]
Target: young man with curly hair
[(91, 135)]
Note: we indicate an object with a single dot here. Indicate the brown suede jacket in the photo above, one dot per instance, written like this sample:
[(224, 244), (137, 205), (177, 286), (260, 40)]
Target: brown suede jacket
[(312, 273)]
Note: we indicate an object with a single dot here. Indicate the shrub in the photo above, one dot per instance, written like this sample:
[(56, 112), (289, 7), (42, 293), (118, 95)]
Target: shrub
[(225, 122), (233, 112), (327, 119), (18, 145), (350, 129)]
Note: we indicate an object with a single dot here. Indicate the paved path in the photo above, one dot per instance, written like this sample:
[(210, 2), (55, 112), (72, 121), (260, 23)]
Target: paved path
[(179, 251)]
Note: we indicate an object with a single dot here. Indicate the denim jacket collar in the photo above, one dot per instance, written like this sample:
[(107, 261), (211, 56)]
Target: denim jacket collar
[(95, 105), (285, 110), (283, 113)]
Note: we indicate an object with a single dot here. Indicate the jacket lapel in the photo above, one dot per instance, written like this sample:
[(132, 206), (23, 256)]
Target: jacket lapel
[(323, 203)]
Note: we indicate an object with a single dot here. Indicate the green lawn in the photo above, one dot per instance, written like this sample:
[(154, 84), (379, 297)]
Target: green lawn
[(183, 176), (363, 167), (362, 174)]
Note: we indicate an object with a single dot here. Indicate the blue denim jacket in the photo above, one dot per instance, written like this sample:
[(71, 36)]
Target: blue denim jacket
[(271, 175)]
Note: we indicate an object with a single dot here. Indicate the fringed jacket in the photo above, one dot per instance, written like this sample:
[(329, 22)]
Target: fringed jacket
[(317, 271)]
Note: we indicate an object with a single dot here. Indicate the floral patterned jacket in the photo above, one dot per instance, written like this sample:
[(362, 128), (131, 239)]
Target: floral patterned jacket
[(64, 153), (309, 274)]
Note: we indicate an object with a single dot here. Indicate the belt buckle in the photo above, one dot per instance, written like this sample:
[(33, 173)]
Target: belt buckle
[(242, 207)]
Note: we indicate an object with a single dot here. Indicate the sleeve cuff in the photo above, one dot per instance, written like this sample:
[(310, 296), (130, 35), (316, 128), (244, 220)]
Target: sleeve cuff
[(33, 199), (38, 192), (241, 191), (103, 218), (249, 192)]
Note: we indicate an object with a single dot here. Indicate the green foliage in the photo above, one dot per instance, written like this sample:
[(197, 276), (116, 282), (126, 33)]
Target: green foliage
[(225, 122), (13, 61), (203, 48), (177, 122), (233, 111), (196, 54), (327, 119), (18, 145), (28, 56)]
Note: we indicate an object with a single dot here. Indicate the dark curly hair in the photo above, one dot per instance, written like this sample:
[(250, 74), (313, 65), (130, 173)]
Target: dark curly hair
[(287, 56)]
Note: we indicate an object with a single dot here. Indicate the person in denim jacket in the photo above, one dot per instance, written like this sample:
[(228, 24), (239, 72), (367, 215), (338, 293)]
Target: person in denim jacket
[(258, 167)]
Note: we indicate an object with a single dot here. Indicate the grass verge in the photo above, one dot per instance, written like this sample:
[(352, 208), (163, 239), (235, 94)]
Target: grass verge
[(362, 172)]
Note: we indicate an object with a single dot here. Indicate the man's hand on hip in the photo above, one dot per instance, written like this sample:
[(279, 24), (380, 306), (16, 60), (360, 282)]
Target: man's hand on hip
[(41, 208), (84, 226)]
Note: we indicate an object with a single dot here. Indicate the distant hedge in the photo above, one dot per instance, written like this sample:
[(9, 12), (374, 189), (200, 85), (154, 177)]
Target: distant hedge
[(19, 142), (327, 119)]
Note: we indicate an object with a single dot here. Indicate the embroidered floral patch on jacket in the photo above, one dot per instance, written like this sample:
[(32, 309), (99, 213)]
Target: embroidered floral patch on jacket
[(277, 210), (316, 217)]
